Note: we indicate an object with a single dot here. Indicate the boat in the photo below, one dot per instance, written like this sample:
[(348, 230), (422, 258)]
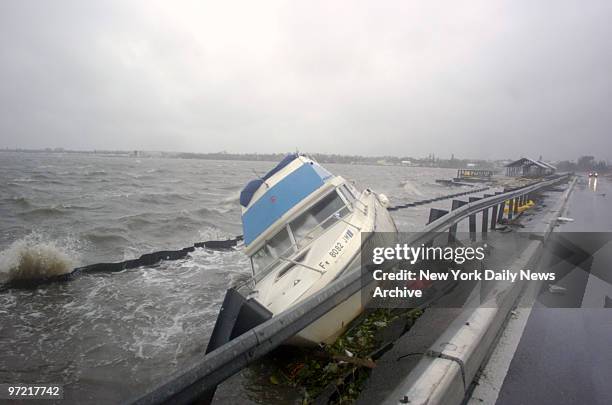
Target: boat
[(302, 231)]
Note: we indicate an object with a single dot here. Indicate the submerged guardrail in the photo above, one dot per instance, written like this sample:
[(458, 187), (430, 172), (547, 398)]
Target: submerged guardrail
[(430, 200), (226, 360)]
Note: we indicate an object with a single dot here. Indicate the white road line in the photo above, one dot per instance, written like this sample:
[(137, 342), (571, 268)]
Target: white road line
[(491, 379)]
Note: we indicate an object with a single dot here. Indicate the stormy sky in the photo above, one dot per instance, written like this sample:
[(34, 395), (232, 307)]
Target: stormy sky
[(489, 79)]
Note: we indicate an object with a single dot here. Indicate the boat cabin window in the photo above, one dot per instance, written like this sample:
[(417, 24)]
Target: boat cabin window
[(272, 250), (321, 214), (309, 224)]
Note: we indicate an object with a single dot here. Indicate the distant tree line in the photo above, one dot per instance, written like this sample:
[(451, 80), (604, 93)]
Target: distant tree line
[(584, 163), (430, 160)]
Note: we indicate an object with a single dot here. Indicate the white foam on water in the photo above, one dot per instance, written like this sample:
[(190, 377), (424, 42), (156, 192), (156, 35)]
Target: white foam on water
[(411, 187), (32, 258)]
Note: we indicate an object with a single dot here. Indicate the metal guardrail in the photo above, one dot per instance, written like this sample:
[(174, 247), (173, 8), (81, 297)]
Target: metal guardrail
[(471, 337), (446, 221), (225, 361)]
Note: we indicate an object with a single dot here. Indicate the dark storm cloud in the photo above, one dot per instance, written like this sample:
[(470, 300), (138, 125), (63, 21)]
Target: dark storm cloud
[(481, 79)]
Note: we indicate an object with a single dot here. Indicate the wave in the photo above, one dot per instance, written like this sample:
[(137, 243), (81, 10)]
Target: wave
[(139, 175), (138, 221), (233, 199), (208, 212), (96, 173), (35, 178), (21, 202), (40, 176), (80, 207), (157, 170), (31, 259), (231, 187), (44, 212), (30, 209), (410, 187), (164, 198), (101, 238)]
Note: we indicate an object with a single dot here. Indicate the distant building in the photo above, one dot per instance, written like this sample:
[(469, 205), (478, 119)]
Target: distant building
[(526, 167)]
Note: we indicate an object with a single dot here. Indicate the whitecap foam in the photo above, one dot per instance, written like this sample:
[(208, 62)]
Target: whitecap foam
[(411, 188), (31, 258)]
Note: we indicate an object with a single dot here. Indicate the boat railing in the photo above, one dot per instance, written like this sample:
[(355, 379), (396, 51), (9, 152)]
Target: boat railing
[(364, 207)]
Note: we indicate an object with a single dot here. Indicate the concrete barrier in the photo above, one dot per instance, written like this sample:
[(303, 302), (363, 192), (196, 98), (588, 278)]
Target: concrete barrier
[(445, 373)]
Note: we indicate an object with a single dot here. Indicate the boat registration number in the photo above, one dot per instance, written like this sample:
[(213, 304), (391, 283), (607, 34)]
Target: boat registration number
[(338, 247)]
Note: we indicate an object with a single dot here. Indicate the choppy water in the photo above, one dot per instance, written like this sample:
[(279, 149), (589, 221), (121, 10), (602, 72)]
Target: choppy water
[(108, 337)]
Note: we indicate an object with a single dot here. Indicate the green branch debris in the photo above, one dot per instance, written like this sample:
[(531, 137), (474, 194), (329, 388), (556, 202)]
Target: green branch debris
[(335, 373)]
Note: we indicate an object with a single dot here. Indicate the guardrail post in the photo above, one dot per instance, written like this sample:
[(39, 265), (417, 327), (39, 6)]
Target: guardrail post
[(500, 214), (485, 222), (493, 217), (500, 211), (452, 230), (516, 205), (472, 220), (485, 217), (435, 213), (510, 209)]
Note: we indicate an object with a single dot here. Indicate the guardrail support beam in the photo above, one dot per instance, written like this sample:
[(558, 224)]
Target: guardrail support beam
[(500, 211), (485, 222), (510, 209), (516, 205), (452, 230), (472, 220), (493, 217), (485, 216)]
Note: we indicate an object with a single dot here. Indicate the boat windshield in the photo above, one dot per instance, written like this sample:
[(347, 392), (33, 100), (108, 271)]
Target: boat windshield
[(272, 250), (305, 227), (320, 216)]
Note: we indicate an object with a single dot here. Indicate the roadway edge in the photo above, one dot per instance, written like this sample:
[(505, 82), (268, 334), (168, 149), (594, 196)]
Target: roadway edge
[(445, 373)]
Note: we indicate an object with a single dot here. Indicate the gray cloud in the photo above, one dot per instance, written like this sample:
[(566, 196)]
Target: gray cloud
[(478, 78)]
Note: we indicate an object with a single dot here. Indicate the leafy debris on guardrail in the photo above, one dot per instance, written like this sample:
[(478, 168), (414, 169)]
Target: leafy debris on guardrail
[(335, 374)]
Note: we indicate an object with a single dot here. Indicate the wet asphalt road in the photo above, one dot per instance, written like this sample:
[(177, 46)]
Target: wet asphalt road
[(565, 353)]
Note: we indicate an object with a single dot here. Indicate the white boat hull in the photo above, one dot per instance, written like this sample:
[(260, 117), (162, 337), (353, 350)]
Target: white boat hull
[(302, 233), (333, 324)]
